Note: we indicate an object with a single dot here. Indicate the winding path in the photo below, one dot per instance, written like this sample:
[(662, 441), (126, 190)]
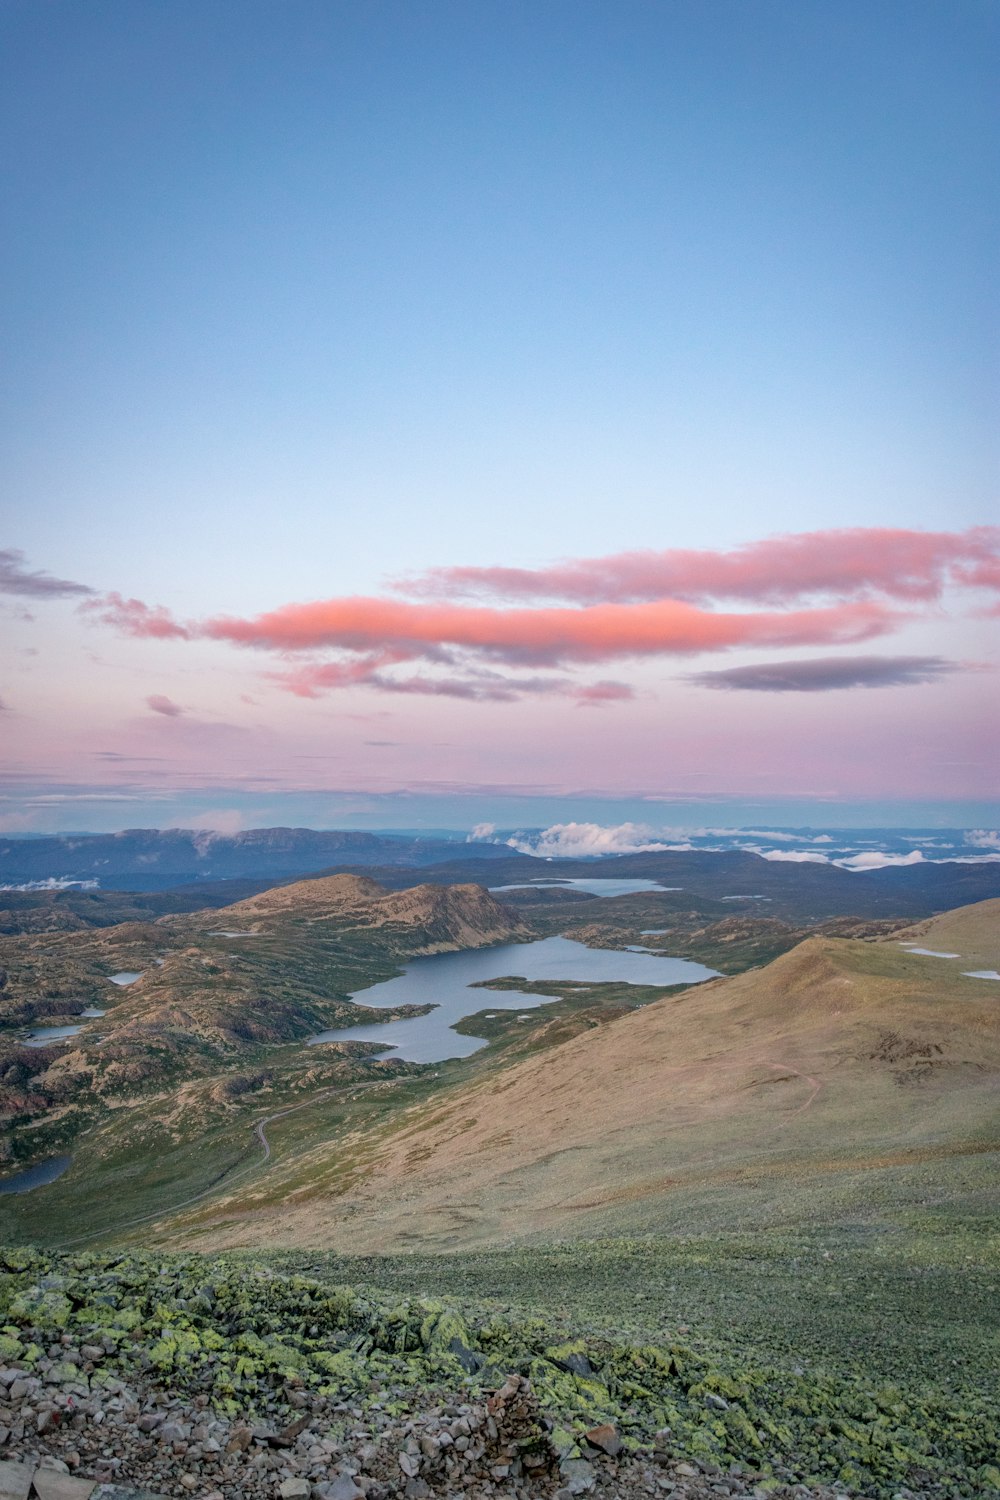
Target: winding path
[(228, 1178)]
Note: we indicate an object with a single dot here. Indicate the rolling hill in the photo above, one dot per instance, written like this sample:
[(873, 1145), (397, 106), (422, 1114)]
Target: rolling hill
[(846, 1070)]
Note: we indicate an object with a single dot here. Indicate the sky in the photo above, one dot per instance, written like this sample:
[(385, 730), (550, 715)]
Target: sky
[(424, 413)]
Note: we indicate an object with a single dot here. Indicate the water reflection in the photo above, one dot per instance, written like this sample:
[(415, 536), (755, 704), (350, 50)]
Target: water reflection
[(444, 981)]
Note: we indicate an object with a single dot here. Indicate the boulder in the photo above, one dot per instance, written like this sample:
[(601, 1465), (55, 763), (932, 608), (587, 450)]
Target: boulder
[(606, 1438), (15, 1481)]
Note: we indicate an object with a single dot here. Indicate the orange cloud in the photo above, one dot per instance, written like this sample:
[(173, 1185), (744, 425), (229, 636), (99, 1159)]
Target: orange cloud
[(548, 637)]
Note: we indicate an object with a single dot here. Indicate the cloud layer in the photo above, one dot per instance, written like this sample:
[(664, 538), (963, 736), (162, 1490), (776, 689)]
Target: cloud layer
[(817, 589)]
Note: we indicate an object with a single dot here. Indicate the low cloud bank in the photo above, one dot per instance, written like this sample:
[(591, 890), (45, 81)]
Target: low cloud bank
[(595, 840), (792, 856), (879, 861), (586, 840), (54, 883)]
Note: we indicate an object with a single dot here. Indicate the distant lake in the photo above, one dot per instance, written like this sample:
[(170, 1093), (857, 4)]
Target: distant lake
[(595, 887), (127, 976), (36, 1176), (444, 981)]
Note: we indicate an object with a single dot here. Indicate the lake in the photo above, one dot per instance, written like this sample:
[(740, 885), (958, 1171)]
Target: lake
[(36, 1176), (595, 887), (444, 981)]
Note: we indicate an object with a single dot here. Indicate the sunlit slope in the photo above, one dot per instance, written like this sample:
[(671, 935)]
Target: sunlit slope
[(845, 1077), (971, 932)]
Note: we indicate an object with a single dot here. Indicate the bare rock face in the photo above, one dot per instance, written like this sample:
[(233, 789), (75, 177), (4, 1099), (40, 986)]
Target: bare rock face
[(447, 917)]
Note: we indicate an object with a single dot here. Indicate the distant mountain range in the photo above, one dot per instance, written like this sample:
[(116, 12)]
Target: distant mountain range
[(70, 881), (150, 859)]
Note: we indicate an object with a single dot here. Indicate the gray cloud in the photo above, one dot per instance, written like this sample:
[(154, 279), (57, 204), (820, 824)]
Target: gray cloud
[(161, 705), (15, 579), (827, 674)]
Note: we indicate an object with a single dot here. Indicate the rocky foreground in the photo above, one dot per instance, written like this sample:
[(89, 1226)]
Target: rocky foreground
[(221, 1378)]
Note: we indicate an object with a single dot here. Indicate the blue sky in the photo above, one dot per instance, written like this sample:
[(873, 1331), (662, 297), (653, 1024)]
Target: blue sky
[(303, 297)]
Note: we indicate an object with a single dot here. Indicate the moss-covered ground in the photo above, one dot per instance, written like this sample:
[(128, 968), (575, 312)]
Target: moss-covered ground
[(242, 1329)]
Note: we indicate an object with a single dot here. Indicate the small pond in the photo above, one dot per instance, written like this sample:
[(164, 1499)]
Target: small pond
[(127, 976), (444, 981), (44, 1036), (36, 1176)]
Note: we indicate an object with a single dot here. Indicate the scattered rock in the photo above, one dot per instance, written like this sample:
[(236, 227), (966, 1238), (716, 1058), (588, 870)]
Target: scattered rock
[(49, 1485), (578, 1476), (341, 1488), (605, 1437), (286, 1438), (294, 1489), (15, 1481), (467, 1358)]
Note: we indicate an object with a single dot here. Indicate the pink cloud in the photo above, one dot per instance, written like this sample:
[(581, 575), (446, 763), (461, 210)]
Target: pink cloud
[(132, 617), (598, 693), (908, 565)]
